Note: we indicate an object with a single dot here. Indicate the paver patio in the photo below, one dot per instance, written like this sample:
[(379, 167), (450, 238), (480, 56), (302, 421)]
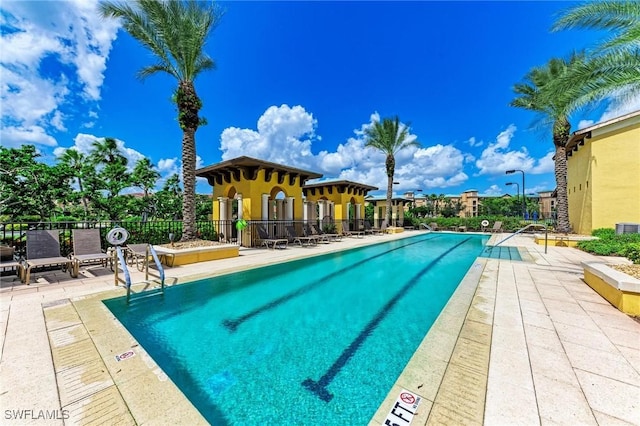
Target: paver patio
[(520, 342)]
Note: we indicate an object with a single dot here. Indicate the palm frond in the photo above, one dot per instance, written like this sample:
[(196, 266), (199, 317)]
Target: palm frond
[(607, 15)]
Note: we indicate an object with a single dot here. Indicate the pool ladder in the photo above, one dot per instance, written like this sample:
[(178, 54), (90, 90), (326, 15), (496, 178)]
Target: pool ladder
[(126, 280)]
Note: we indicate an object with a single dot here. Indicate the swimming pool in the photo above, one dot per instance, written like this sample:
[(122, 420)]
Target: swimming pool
[(314, 341)]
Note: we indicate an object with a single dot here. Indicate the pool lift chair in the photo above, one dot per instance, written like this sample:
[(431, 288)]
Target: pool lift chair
[(117, 237)]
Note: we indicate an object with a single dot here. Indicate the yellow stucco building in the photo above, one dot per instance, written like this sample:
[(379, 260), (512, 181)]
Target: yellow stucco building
[(256, 190), (603, 181)]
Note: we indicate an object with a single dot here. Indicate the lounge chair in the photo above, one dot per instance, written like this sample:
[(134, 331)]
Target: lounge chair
[(43, 249), (87, 249), (497, 226), (300, 239), (371, 230), (348, 233), (137, 254), (311, 231), (433, 226), (267, 241), (330, 236), (8, 261)]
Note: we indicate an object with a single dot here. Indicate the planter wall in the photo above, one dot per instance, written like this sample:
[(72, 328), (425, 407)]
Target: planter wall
[(621, 290), (173, 257)]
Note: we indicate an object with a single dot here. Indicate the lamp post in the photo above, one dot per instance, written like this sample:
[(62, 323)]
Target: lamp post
[(524, 208), (517, 188)]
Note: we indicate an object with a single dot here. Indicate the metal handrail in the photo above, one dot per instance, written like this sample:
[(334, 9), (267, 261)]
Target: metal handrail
[(159, 267), (521, 230)]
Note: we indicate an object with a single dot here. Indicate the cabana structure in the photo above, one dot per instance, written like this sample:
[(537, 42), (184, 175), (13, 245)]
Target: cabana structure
[(274, 195), (336, 202), (251, 189), (397, 209)]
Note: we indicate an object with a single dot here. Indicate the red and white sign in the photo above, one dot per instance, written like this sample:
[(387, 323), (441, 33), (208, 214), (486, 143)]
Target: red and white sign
[(403, 409), (125, 355)]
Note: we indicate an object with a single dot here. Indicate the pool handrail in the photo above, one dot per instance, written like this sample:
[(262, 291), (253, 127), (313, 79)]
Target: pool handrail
[(521, 230), (127, 276), (426, 226)]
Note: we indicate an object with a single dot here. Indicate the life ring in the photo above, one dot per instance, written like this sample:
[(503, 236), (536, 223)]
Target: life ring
[(484, 223), (117, 236)]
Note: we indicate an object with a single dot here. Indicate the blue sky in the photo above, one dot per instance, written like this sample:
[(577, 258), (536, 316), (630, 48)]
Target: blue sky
[(297, 83)]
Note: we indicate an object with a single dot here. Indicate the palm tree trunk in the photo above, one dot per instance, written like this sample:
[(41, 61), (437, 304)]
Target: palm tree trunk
[(563, 224), (188, 107), (390, 166), (189, 181), (561, 129)]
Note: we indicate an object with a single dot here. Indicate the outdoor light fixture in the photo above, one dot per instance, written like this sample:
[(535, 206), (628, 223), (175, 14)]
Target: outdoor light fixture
[(517, 188), (524, 208)]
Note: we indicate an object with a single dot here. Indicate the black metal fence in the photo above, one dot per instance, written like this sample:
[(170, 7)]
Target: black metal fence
[(153, 232)]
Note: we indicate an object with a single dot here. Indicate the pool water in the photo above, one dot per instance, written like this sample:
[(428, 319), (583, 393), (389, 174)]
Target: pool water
[(501, 252), (315, 341)]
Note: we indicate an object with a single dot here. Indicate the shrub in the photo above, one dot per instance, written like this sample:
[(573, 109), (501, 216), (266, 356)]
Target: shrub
[(632, 252), (609, 243), (605, 233)]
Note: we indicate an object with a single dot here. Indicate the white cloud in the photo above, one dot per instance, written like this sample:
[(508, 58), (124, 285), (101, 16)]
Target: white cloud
[(496, 157), (168, 166), (13, 137), (618, 108), (283, 135), (494, 190), (544, 165), (585, 123), (473, 142), (53, 54)]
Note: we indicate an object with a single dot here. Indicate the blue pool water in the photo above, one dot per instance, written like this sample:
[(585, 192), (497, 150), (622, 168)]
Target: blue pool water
[(315, 341)]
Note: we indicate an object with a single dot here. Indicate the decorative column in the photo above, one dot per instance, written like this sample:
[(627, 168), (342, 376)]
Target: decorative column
[(239, 199), (280, 209), (265, 206), (224, 225), (289, 207)]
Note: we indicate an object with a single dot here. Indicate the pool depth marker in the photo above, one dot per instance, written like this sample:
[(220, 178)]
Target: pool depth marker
[(232, 324), (320, 387)]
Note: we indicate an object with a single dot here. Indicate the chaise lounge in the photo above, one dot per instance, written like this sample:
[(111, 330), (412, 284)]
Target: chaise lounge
[(43, 249), (87, 249)]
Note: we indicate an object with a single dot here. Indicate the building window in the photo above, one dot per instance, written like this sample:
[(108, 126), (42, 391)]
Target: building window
[(580, 187), (587, 184)]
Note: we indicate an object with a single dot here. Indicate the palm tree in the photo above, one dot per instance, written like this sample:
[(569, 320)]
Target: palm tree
[(390, 137), (76, 161), (613, 67), (539, 94), (175, 32)]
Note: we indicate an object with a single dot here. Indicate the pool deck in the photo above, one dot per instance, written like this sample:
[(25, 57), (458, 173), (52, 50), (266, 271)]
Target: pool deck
[(519, 342)]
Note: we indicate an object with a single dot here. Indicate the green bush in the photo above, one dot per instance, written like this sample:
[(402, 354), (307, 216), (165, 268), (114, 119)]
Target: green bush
[(632, 252), (604, 233), (611, 244)]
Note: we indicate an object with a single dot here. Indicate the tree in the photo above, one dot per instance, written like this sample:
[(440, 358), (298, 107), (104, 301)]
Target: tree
[(169, 198), (112, 177), (144, 176), (28, 187), (389, 136), (613, 67), (539, 94), (175, 32), (78, 166)]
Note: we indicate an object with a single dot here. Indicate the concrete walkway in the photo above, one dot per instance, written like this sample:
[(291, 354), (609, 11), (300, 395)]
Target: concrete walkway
[(518, 343)]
